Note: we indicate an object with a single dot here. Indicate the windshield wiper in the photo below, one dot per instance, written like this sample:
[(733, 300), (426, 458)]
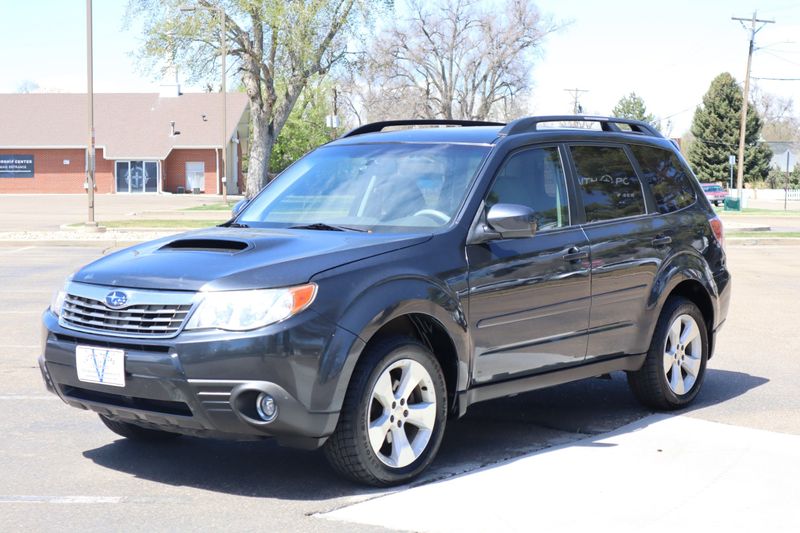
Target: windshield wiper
[(322, 226), (233, 225)]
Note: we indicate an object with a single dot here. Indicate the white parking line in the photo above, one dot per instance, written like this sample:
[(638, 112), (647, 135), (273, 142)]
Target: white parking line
[(61, 499), (19, 346), (17, 250), (27, 397)]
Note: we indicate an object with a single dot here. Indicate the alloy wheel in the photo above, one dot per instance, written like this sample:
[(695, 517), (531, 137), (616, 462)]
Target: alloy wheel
[(402, 413), (683, 352)]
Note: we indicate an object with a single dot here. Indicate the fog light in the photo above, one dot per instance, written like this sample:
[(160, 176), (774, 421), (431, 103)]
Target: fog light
[(266, 407)]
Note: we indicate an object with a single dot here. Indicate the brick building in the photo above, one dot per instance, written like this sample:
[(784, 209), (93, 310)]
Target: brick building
[(146, 143)]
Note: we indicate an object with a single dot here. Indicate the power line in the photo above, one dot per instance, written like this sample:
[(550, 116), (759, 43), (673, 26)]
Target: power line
[(775, 79), (577, 108)]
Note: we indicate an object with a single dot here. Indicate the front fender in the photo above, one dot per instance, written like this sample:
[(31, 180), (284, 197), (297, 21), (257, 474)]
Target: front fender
[(394, 298)]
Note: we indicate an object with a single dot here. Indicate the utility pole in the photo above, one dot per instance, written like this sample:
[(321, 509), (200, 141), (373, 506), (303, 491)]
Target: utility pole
[(223, 53), (746, 95), (577, 109), (90, 93)]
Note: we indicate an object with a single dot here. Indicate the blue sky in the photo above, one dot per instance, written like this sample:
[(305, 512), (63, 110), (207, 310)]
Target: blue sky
[(668, 52)]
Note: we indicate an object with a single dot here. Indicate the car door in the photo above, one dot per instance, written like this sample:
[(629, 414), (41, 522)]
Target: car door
[(625, 244), (529, 297)]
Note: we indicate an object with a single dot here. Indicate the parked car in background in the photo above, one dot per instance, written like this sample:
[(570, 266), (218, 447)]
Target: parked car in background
[(715, 193), (389, 280)]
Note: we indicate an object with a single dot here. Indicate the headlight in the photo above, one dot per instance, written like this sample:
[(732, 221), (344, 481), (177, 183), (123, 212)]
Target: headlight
[(58, 298), (245, 310)]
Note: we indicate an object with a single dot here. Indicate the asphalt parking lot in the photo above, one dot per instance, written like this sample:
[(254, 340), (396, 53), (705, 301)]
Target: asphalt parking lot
[(59, 467)]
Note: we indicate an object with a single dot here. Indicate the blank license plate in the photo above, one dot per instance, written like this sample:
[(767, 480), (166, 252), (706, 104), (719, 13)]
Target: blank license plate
[(100, 365)]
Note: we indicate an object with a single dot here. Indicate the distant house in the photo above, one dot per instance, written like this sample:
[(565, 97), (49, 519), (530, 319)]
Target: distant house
[(145, 143)]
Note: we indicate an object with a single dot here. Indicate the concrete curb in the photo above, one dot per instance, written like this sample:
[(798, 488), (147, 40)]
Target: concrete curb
[(77, 243), (128, 229), (762, 241)]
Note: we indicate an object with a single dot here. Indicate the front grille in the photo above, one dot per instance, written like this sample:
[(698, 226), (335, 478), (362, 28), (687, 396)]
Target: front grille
[(125, 346), (145, 320)]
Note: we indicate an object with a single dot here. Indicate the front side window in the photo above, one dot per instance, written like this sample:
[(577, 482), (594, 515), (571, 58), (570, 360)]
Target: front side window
[(379, 187), (534, 178), (667, 178), (607, 183)]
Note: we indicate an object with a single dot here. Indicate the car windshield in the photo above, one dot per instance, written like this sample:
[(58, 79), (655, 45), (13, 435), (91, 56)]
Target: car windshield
[(712, 188), (381, 187)]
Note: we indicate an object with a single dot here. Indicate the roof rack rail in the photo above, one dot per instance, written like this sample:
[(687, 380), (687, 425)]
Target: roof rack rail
[(529, 124), (374, 127)]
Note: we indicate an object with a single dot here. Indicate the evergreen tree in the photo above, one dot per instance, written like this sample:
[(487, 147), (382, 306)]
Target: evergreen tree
[(632, 106), (715, 128)]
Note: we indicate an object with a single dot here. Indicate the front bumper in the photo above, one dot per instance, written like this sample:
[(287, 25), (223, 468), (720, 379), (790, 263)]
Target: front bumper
[(206, 383)]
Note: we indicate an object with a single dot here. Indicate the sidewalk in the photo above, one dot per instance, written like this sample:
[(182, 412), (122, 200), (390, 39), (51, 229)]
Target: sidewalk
[(48, 212), (47, 218), (661, 473)]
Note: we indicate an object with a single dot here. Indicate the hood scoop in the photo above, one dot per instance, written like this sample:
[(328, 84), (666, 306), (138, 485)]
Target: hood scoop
[(228, 246)]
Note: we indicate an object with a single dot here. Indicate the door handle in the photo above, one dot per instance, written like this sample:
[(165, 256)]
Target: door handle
[(574, 254), (662, 240)]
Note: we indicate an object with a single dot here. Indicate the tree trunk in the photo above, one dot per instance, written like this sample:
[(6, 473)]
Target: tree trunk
[(261, 143)]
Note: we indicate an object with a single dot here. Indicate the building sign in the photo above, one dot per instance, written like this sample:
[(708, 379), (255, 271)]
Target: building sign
[(16, 166)]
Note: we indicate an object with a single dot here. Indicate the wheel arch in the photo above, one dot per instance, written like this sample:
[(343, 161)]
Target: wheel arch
[(416, 308), (686, 275)]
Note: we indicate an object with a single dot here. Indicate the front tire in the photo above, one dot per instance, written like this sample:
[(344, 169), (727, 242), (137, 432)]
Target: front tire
[(134, 432), (393, 416), (675, 366)]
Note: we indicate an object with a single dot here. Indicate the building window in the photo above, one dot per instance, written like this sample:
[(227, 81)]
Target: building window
[(195, 176), (136, 176)]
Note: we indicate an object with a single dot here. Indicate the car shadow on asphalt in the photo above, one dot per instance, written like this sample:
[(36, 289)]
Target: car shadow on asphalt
[(489, 434)]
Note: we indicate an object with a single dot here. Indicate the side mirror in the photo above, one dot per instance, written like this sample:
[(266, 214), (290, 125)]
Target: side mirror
[(512, 221), (238, 206)]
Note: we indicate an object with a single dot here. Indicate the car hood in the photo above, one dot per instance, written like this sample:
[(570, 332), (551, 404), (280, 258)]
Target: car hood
[(237, 258)]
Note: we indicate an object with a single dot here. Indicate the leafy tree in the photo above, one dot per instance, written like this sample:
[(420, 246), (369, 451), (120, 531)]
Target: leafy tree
[(27, 86), (277, 47), (632, 106), (306, 127), (715, 128), (777, 178)]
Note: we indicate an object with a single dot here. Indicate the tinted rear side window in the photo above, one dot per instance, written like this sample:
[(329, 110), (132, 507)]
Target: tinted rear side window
[(607, 183), (668, 179)]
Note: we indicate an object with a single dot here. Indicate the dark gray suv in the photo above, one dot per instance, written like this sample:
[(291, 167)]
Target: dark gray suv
[(390, 279)]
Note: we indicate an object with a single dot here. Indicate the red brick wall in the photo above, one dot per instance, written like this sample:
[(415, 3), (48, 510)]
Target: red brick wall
[(174, 169), (51, 175), (103, 173)]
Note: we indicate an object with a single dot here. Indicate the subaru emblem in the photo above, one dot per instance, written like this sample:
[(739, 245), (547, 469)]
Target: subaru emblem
[(116, 299)]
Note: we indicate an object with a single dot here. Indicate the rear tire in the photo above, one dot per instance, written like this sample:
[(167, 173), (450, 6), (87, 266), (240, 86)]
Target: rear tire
[(134, 432), (393, 416), (675, 366)]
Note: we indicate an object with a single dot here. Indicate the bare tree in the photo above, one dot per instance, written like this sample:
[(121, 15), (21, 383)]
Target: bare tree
[(780, 121), (451, 59)]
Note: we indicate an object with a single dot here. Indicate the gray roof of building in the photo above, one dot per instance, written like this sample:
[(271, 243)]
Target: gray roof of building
[(127, 125)]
